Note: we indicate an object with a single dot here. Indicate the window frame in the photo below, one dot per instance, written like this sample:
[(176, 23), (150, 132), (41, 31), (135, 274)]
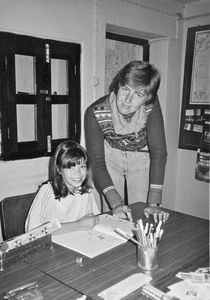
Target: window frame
[(12, 44)]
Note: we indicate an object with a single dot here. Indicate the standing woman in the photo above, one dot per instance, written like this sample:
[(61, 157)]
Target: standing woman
[(118, 127)]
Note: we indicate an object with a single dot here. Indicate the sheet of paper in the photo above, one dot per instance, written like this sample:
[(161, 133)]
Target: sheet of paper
[(89, 243), (186, 291), (125, 287), (99, 240)]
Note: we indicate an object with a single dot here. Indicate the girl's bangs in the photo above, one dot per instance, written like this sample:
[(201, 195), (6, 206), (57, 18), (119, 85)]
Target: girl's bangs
[(70, 161)]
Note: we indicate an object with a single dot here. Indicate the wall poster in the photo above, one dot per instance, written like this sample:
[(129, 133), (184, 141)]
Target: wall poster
[(195, 115)]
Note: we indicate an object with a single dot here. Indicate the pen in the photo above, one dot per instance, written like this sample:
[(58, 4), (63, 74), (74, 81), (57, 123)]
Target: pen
[(138, 235), (150, 229), (146, 228), (157, 229), (142, 232), (141, 226)]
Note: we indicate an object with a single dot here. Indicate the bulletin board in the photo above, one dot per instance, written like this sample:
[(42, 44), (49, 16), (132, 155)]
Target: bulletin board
[(195, 114)]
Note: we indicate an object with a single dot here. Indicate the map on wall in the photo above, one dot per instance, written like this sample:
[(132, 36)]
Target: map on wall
[(118, 54), (200, 88)]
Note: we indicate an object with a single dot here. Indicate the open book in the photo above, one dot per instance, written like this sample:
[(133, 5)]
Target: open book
[(98, 240)]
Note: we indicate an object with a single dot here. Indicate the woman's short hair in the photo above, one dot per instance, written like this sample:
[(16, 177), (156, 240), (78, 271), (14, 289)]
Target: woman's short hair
[(139, 74), (66, 155)]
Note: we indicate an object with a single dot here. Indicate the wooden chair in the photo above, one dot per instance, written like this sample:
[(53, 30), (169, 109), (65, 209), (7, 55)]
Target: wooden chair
[(13, 213)]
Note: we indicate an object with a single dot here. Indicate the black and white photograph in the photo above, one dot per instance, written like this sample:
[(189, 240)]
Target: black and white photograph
[(104, 149)]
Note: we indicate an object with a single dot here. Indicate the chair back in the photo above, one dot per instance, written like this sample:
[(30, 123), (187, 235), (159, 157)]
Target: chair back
[(13, 213)]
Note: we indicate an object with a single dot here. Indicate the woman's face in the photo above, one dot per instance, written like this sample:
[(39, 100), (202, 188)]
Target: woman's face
[(73, 177), (129, 99)]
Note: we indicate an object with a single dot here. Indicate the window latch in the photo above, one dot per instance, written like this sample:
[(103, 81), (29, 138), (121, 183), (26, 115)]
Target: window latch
[(45, 92), (47, 53), (47, 98), (49, 148)]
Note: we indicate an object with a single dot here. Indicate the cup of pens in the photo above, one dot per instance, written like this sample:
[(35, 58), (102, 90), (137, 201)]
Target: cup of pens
[(147, 258), (148, 238)]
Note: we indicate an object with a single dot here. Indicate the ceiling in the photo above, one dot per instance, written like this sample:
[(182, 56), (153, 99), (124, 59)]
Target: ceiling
[(185, 1)]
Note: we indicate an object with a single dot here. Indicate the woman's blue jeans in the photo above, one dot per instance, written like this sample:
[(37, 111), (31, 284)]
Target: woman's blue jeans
[(132, 165)]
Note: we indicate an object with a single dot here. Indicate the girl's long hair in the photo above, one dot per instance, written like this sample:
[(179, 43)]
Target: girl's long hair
[(65, 156)]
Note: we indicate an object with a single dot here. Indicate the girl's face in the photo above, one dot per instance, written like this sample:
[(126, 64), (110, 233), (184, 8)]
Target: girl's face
[(74, 176), (129, 99)]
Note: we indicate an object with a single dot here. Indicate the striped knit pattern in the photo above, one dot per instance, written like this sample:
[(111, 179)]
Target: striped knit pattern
[(156, 186), (134, 141)]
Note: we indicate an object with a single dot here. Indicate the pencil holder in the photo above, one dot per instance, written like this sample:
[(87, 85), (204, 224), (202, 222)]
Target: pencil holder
[(147, 258)]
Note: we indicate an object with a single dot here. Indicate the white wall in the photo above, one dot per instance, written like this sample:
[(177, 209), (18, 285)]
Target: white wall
[(85, 22), (62, 20), (192, 196)]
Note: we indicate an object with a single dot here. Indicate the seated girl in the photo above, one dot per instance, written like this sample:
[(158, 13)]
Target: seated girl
[(67, 197)]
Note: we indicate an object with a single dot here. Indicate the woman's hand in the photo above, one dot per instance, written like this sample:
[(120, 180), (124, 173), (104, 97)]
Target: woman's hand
[(158, 213), (88, 222), (123, 212)]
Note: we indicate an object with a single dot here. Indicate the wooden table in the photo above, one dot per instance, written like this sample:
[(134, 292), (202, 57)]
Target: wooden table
[(22, 273), (183, 247)]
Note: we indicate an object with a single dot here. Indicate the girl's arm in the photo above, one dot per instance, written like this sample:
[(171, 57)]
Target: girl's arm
[(85, 223), (41, 209)]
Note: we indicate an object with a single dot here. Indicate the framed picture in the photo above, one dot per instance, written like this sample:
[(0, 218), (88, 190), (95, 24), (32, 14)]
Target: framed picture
[(195, 115)]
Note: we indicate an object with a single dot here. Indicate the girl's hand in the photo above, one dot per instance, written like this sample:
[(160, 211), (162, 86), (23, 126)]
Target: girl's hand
[(123, 212), (158, 213), (88, 222)]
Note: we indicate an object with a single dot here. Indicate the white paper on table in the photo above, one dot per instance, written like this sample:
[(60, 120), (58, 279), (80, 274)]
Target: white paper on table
[(89, 243), (97, 241), (186, 291), (125, 287)]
